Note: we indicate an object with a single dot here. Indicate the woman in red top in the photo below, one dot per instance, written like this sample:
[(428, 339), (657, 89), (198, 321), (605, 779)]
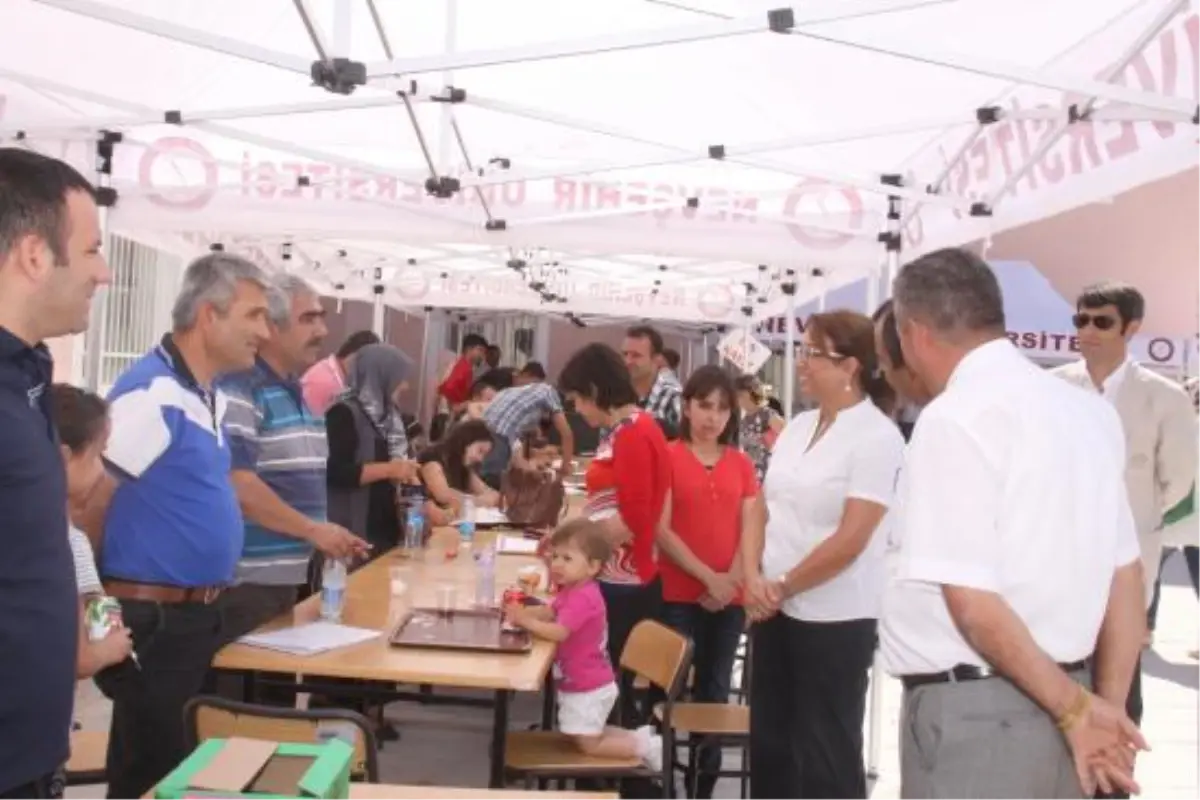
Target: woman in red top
[(714, 497), (627, 486)]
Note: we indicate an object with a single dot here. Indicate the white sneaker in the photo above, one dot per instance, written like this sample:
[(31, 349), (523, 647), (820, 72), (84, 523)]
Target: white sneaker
[(650, 748)]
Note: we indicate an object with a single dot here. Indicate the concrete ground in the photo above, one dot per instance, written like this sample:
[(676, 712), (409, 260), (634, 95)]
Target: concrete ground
[(448, 746)]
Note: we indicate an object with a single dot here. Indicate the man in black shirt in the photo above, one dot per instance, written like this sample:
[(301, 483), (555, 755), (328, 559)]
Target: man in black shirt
[(50, 266)]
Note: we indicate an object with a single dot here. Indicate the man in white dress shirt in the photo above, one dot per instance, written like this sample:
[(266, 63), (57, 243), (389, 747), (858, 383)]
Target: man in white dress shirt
[(1157, 417), (1017, 576)]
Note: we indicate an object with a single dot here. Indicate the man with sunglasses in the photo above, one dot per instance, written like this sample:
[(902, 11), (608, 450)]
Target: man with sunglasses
[(1160, 426)]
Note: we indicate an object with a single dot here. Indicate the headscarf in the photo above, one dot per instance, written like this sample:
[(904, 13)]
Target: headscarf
[(375, 373)]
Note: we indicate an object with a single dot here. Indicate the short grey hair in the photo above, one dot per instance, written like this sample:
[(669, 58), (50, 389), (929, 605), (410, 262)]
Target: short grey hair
[(213, 279), (952, 291), (285, 287)]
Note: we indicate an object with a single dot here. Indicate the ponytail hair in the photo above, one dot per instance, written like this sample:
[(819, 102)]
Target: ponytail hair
[(853, 335)]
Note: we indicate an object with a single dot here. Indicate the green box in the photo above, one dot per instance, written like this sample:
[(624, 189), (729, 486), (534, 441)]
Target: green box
[(328, 775)]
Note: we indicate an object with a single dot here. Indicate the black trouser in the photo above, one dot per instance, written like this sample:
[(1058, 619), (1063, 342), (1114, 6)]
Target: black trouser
[(1134, 710), (627, 605), (715, 636), (245, 608), (807, 705), (45, 787), (175, 644)]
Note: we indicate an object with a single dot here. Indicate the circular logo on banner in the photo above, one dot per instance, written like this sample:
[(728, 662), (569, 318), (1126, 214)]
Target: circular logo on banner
[(410, 283), (1161, 350), (180, 157), (821, 197), (715, 302)]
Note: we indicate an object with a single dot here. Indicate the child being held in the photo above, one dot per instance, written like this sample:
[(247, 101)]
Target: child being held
[(577, 620)]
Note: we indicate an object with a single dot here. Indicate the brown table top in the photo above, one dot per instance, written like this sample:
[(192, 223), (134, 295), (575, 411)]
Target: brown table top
[(382, 791), (368, 601)]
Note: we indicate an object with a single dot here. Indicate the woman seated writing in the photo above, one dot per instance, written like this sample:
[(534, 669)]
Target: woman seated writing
[(448, 472)]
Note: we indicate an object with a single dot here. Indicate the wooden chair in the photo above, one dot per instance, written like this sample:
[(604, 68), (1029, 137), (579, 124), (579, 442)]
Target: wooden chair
[(723, 725), (89, 754), (659, 654), (210, 717)]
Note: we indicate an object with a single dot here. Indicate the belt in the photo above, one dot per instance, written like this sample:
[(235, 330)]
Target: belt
[(963, 673), (154, 592)]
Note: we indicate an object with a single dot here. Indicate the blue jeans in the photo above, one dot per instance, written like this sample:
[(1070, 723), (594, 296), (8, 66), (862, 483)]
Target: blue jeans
[(715, 636)]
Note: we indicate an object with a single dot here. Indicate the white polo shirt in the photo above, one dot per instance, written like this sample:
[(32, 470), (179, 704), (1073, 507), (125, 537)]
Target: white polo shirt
[(1012, 483), (806, 493)]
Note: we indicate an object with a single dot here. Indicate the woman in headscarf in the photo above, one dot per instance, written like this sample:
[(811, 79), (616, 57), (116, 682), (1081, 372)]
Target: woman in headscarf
[(368, 447)]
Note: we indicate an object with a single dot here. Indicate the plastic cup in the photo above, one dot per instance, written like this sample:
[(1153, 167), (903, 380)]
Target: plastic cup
[(399, 580), (447, 599)]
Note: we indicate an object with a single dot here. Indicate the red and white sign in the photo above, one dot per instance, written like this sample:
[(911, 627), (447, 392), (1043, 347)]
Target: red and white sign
[(744, 351)]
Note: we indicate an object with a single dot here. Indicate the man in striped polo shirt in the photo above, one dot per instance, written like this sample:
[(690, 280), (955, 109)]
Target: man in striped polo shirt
[(278, 453)]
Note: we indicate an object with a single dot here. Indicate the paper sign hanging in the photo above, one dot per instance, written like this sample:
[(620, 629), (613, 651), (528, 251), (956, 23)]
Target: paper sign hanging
[(744, 351)]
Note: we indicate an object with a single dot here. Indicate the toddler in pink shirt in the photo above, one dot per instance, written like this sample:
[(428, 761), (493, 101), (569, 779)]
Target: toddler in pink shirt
[(577, 620)]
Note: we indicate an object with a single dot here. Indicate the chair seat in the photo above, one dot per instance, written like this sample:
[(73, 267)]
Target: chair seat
[(712, 719), (554, 752), (89, 753)]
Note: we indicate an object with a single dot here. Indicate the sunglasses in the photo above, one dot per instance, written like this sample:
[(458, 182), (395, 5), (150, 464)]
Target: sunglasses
[(1101, 322), (807, 351)]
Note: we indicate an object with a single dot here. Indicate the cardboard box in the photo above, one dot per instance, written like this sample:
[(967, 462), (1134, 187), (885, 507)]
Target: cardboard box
[(238, 767)]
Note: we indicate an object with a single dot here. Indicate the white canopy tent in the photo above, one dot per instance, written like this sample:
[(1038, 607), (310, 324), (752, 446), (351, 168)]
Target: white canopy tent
[(675, 159), (627, 158)]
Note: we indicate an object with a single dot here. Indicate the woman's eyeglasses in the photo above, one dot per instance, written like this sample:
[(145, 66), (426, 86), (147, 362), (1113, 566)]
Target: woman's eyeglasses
[(807, 351), (1100, 322)]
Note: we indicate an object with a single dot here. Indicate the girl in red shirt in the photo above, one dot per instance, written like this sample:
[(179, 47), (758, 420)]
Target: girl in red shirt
[(627, 486), (714, 497)]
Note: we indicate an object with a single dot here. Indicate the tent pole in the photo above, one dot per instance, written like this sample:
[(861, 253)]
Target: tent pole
[(424, 368), (892, 241), (218, 114), (784, 20), (759, 23), (951, 163), (445, 130), (283, 146), (378, 307), (789, 349), (1048, 141), (1042, 77), (87, 365), (182, 33)]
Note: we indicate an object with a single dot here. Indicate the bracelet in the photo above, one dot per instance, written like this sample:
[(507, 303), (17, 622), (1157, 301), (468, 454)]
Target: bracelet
[(1075, 713)]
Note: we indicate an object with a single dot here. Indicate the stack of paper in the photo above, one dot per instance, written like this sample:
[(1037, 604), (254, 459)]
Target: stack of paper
[(309, 639), (516, 546)]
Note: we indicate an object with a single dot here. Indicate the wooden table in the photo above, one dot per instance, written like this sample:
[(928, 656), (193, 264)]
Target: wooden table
[(394, 791), (369, 605), (384, 791)]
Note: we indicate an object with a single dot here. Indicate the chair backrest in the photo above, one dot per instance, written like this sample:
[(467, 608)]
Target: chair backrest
[(659, 654), (208, 717)]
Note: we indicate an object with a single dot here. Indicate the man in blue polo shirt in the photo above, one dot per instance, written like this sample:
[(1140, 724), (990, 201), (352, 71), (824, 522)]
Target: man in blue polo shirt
[(171, 525), (50, 266), (279, 454)]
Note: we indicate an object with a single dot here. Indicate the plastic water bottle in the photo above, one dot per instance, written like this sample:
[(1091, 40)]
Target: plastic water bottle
[(485, 577), (466, 522), (333, 589), (414, 533)]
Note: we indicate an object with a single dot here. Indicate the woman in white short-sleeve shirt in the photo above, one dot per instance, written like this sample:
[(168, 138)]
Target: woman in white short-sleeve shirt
[(815, 598)]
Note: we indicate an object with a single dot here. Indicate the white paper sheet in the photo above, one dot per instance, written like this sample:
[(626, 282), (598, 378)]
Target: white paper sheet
[(488, 516), (516, 546), (310, 638)]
